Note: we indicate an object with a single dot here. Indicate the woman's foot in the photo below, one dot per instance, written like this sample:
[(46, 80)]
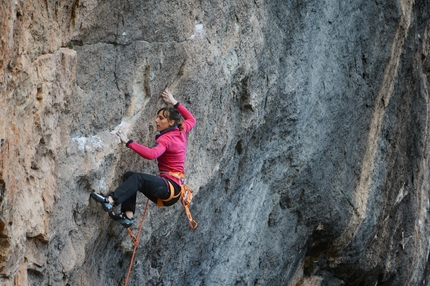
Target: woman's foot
[(121, 218), (107, 204)]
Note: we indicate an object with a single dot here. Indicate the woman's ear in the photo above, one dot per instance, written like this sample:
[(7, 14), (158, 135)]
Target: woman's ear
[(171, 123)]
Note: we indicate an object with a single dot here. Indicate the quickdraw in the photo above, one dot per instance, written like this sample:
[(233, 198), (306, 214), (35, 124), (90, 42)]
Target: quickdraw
[(186, 197)]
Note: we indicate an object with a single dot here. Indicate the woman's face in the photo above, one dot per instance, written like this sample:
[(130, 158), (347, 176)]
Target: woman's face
[(163, 122)]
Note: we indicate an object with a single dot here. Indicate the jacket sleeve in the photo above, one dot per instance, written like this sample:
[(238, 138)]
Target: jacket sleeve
[(148, 153), (189, 121)]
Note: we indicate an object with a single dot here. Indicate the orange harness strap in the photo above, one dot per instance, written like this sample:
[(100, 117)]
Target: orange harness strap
[(172, 196)]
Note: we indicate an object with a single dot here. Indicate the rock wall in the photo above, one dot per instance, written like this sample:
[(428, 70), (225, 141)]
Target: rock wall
[(308, 161)]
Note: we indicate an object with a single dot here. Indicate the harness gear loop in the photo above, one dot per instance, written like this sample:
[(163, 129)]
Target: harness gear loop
[(186, 195), (135, 240)]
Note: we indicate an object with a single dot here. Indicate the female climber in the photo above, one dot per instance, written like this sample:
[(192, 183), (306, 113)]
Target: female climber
[(169, 150)]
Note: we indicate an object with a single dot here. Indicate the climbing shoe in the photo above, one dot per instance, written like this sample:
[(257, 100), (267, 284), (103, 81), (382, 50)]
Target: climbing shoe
[(121, 218), (106, 205)]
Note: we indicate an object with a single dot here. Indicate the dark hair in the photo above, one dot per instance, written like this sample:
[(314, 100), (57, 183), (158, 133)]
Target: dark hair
[(172, 114)]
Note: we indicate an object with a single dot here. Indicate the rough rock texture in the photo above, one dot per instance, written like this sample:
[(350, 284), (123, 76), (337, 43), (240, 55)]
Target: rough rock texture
[(309, 161)]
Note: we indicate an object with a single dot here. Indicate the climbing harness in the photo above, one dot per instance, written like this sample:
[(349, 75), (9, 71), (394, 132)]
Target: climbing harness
[(135, 240), (186, 195), (160, 202)]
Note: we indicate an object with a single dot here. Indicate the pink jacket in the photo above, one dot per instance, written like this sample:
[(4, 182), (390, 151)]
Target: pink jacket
[(170, 147)]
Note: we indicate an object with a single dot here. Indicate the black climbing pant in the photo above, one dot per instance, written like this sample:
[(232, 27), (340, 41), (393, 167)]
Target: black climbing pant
[(153, 187)]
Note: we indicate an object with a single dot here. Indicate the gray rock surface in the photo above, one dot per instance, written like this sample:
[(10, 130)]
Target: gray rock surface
[(309, 161)]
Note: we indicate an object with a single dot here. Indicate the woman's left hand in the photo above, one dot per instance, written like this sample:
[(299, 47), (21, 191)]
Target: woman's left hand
[(122, 136), (168, 97)]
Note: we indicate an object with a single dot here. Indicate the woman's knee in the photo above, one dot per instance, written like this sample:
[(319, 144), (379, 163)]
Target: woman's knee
[(127, 175)]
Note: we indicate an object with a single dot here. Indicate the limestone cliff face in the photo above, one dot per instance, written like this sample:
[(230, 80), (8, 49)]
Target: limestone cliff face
[(309, 160)]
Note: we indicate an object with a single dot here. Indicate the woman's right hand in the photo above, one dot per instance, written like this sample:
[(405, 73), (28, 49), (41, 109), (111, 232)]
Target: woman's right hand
[(122, 137), (168, 97)]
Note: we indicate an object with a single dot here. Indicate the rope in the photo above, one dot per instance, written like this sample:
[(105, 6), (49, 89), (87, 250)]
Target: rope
[(135, 241)]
